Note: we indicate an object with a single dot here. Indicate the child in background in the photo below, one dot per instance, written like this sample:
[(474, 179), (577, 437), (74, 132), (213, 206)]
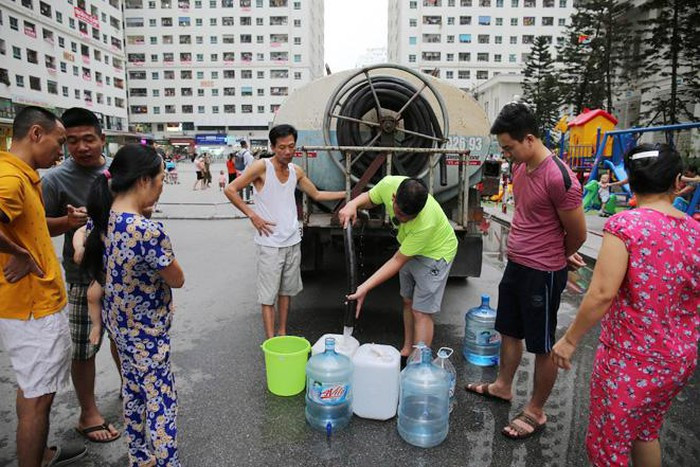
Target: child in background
[(222, 180), (646, 289), (604, 193)]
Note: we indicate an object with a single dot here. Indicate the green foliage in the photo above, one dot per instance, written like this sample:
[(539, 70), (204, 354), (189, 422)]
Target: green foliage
[(669, 59), (540, 88)]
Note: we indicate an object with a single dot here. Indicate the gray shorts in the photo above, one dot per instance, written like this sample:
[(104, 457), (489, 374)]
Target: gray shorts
[(423, 281), (279, 272)]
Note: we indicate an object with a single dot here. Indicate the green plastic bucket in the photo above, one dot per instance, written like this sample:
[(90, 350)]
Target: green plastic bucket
[(285, 364)]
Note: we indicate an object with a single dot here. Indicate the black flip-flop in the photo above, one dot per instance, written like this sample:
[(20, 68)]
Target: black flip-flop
[(84, 432), (483, 391)]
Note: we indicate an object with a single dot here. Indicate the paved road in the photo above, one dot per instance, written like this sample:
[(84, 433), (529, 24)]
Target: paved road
[(227, 417)]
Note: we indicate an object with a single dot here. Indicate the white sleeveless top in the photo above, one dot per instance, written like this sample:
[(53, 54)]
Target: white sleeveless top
[(276, 203)]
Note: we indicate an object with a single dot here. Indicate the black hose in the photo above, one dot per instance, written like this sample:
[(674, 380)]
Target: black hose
[(351, 269), (392, 93)]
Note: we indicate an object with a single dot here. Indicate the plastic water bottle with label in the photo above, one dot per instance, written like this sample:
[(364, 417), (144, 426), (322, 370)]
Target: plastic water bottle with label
[(423, 418), (443, 361), (482, 343), (329, 389)]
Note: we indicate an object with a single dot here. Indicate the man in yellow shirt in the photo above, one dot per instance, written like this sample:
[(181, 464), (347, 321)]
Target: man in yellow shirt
[(33, 327), (423, 261)]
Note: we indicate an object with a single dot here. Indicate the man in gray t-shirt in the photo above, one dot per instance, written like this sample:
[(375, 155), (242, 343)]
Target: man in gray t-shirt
[(65, 191)]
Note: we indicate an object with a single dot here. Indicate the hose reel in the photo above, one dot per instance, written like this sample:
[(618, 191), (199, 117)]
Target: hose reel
[(386, 106)]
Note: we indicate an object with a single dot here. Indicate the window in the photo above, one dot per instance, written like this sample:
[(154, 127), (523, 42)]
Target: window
[(562, 3), (198, 22), (547, 21), (297, 41), (513, 39), (200, 108), (247, 109), (450, 57), (465, 20), (229, 91), (76, 71), (229, 74), (280, 56), (449, 74), (166, 22), (29, 29), (228, 39), (485, 3), (137, 75), (27, 4), (45, 9), (497, 58), (246, 21), (511, 58), (17, 52), (297, 75), (14, 24), (32, 56), (528, 39), (431, 38), (213, 39), (482, 57), (214, 75), (561, 22), (297, 23), (168, 57), (498, 39), (200, 57), (261, 75), (464, 56), (484, 39), (212, 22), (152, 22), (529, 3), (200, 92), (465, 38), (261, 109), (64, 67), (464, 74), (413, 5), (61, 42), (187, 109), (155, 92), (278, 20), (499, 21), (499, 3), (19, 81), (227, 21), (64, 91), (297, 58), (34, 83), (485, 20), (412, 23), (482, 74), (548, 3), (168, 74), (169, 109), (450, 20), (185, 57), (465, 3), (229, 108), (50, 63), (411, 58), (432, 20), (185, 39)]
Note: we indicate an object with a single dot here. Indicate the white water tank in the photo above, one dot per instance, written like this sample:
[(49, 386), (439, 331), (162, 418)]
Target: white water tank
[(376, 381), (345, 345)]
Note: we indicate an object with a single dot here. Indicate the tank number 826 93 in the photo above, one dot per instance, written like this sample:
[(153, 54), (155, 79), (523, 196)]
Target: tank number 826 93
[(473, 143)]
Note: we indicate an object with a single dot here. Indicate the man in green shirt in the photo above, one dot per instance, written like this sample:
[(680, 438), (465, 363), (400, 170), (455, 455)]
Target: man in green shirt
[(428, 246)]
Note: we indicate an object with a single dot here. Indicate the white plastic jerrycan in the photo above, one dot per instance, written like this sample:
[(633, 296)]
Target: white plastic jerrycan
[(344, 345), (376, 381)]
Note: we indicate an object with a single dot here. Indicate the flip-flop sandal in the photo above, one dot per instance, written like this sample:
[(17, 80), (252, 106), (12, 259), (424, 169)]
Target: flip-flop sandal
[(521, 432), (104, 427), (483, 391)]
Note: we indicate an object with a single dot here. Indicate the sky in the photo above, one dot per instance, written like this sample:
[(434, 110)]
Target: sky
[(352, 27)]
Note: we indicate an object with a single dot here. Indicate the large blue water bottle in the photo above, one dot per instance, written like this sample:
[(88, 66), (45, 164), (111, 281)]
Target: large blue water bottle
[(329, 389), (482, 343), (424, 405)]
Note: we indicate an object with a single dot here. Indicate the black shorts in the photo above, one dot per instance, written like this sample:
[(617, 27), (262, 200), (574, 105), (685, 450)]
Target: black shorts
[(231, 177), (528, 301), (199, 175)]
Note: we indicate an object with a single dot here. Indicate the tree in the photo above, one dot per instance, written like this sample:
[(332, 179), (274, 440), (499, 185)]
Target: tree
[(540, 88), (669, 57), (591, 56)]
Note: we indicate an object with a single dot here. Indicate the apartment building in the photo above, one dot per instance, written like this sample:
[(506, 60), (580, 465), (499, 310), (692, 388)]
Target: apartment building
[(212, 72), (60, 55), (471, 41)]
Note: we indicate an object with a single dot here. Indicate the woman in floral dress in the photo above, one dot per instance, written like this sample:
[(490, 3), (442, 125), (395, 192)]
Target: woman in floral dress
[(645, 288)]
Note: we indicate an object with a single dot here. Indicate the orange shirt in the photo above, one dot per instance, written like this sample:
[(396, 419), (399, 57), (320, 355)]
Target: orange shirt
[(21, 202)]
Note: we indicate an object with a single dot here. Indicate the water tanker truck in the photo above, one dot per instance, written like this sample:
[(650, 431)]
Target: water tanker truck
[(357, 126)]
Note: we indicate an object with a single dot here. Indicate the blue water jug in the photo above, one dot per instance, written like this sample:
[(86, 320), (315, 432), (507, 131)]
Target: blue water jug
[(482, 343), (329, 389), (424, 405)]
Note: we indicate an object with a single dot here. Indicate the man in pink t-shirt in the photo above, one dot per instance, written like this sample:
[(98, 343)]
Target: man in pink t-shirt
[(547, 230)]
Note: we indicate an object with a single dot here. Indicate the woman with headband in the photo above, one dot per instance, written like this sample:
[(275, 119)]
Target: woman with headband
[(645, 288)]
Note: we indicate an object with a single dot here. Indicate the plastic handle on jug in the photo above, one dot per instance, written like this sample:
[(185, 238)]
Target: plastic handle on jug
[(445, 352)]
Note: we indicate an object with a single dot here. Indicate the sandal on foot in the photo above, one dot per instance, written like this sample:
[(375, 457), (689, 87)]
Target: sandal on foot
[(483, 390), (522, 433), (66, 455), (104, 427)]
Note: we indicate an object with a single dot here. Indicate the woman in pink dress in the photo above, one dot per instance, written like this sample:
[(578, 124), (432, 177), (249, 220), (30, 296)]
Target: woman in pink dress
[(645, 288)]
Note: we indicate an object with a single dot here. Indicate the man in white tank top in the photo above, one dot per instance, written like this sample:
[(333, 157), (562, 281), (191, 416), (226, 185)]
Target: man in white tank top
[(274, 217)]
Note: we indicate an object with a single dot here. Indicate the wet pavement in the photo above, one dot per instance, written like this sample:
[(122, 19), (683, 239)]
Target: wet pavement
[(227, 417)]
